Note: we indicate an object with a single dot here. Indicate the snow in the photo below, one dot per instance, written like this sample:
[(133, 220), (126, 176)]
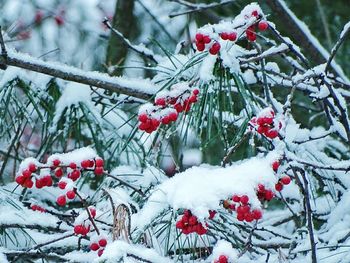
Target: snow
[(119, 251), (213, 184)]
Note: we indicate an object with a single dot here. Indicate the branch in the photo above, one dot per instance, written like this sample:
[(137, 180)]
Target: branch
[(340, 41), (137, 88), (28, 226), (199, 7), (138, 49)]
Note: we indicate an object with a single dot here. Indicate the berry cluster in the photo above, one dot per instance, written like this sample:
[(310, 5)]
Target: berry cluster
[(265, 123), (284, 180), (189, 224), (211, 37), (167, 106), (244, 211), (262, 25), (221, 259), (264, 194), (70, 191), (37, 208), (25, 177), (98, 243), (82, 224)]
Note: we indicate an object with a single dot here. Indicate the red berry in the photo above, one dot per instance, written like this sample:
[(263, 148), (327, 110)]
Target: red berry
[(70, 194), (193, 99), (20, 179), (192, 220), (261, 188), (165, 120), (102, 242), (271, 134), (47, 180), (232, 36), (173, 116), (212, 214), (61, 200), (62, 184), (269, 195), (187, 213), (78, 229), (178, 107), (32, 167), (224, 36), (251, 35), (28, 183), (74, 175), (91, 163), (249, 217), (92, 211), (59, 172), (160, 102), (39, 15), (73, 166), (206, 39), (244, 199), (179, 224), (275, 165), (200, 46), (223, 259), (279, 187), (99, 162), (263, 25), (94, 246), (255, 13), (56, 162), (85, 164), (39, 183), (215, 48), (199, 37), (240, 216), (143, 117), (100, 252), (236, 198), (195, 91), (155, 123), (99, 171), (26, 173), (285, 180), (257, 214), (59, 20)]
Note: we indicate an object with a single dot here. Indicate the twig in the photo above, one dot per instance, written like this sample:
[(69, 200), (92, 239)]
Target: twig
[(308, 211), (96, 79), (142, 51), (87, 210), (125, 183), (50, 242), (199, 8), (340, 41)]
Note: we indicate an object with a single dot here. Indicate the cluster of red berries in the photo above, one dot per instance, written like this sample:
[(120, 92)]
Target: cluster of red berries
[(62, 199), (262, 25), (84, 228), (25, 178), (166, 110), (189, 224), (81, 229), (221, 259), (264, 194), (244, 212), (229, 36), (265, 124), (37, 208), (284, 180), (99, 245), (202, 40)]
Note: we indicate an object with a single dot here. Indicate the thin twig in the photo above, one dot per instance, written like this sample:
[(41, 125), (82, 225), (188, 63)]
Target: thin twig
[(124, 183), (202, 7), (337, 45), (142, 51)]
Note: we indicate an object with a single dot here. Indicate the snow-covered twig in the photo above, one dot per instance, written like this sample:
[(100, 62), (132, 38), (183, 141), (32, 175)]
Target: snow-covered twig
[(198, 7), (138, 49), (343, 36)]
